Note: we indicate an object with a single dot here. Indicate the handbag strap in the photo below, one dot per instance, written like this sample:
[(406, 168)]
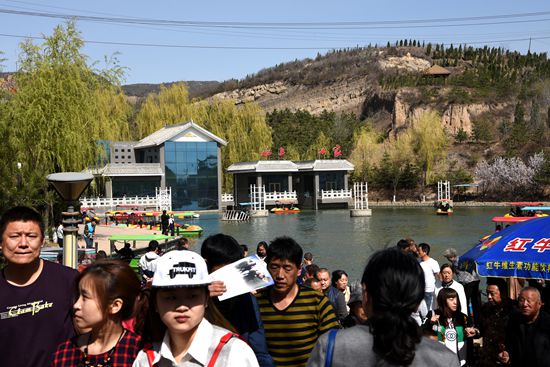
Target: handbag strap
[(223, 341), (330, 347)]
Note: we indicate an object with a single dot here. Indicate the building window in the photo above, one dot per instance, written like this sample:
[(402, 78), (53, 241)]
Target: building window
[(274, 186), (116, 156), (116, 150)]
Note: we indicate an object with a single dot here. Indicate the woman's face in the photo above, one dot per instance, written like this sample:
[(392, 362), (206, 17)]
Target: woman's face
[(87, 308), (447, 275), (181, 309), (452, 303), (342, 283)]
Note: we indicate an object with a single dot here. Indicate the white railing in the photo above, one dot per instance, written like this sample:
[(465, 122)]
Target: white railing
[(360, 195), (335, 194), (227, 198), (149, 201), (277, 195)]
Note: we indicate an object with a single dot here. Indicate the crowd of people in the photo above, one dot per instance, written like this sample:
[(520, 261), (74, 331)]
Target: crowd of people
[(406, 310)]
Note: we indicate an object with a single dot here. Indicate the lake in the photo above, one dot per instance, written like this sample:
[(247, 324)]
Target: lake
[(338, 241)]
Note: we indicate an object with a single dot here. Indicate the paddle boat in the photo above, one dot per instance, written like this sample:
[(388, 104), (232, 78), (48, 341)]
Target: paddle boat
[(285, 210), (444, 207)]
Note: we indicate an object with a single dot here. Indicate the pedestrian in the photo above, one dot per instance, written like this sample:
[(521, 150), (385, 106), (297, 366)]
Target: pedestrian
[(335, 297), (431, 272), (125, 253), (89, 233), (493, 321), (182, 244), (36, 296), (171, 225), (107, 293), (177, 327), (340, 282), (294, 316), (60, 233), (241, 311), (147, 263), (450, 326), (164, 223), (261, 250), (393, 287), (527, 333)]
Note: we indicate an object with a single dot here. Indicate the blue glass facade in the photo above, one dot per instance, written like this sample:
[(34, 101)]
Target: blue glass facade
[(191, 170)]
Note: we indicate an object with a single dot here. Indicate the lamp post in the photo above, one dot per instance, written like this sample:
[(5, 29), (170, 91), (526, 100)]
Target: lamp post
[(70, 185)]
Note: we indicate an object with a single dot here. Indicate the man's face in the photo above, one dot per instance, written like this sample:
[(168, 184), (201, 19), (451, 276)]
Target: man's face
[(324, 278), (529, 304), (493, 294), (21, 242), (316, 285), (261, 251), (421, 252), (284, 273)]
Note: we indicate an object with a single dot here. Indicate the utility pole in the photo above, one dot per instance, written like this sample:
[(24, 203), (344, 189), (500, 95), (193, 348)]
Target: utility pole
[(529, 50)]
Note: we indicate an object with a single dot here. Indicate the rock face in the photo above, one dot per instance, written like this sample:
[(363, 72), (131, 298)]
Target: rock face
[(340, 96), (453, 116), (407, 63)]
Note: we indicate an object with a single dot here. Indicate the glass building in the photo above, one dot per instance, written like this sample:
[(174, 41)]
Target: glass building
[(185, 157)]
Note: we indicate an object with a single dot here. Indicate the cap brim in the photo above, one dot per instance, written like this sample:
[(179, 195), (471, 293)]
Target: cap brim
[(182, 286)]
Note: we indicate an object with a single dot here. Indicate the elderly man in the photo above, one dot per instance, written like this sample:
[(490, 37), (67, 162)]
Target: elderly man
[(528, 333), (36, 296)]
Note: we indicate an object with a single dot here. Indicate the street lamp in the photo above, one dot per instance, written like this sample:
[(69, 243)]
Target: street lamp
[(70, 185)]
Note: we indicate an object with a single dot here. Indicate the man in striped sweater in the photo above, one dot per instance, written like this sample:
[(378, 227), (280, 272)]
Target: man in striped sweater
[(294, 316)]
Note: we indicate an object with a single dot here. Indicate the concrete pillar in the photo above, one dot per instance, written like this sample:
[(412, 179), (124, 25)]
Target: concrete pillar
[(346, 176), (219, 177), (316, 193), (108, 188), (259, 180), (290, 182)]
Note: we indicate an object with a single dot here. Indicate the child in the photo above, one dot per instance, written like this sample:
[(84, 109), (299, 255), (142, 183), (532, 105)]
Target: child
[(177, 327), (107, 291)]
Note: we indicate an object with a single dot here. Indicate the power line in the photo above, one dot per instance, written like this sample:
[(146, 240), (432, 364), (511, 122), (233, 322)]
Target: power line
[(411, 23), (160, 45)]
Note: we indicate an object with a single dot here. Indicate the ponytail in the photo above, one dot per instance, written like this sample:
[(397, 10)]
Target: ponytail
[(394, 283)]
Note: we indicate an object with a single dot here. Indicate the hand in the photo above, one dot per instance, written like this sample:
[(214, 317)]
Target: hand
[(470, 331), (503, 357), (435, 317), (217, 288)]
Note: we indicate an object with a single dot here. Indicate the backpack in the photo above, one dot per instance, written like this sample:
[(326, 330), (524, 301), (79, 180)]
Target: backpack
[(223, 341)]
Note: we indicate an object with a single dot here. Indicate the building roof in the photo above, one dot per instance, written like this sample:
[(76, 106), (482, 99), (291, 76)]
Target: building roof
[(168, 132), (263, 166), (289, 166), (132, 169), (326, 165), (437, 70)]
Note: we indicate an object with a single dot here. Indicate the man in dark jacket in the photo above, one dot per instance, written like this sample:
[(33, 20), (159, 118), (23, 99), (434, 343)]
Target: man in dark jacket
[(528, 333)]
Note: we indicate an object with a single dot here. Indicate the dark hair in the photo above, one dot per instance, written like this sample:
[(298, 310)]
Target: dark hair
[(23, 214), (308, 256), (100, 255), (403, 244), (182, 244), (153, 245), (500, 283), (425, 247), (262, 244), (308, 282), (336, 275), (220, 249), (244, 248), (285, 248), (443, 266), (113, 279), (442, 297), (312, 270), (395, 286)]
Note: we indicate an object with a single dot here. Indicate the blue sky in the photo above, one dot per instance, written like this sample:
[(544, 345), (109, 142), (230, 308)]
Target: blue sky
[(211, 52)]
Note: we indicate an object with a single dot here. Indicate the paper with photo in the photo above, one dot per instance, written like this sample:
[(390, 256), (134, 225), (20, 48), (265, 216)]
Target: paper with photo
[(243, 276)]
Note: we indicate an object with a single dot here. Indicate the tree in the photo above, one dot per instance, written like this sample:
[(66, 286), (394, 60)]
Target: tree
[(366, 154), (461, 135), (398, 158), (321, 142), (429, 142), (60, 109)]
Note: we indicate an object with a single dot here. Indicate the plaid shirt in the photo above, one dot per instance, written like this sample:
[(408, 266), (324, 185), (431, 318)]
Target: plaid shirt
[(68, 354)]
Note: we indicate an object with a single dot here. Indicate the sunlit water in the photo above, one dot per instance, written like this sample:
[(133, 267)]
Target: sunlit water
[(339, 241)]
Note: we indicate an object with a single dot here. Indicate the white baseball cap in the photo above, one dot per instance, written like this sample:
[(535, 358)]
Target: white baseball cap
[(181, 269)]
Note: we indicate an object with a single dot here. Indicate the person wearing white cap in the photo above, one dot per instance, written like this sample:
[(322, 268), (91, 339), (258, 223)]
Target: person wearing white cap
[(177, 328)]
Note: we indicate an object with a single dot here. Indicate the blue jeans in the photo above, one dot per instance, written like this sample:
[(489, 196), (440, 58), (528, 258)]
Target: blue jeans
[(89, 242), (428, 298)]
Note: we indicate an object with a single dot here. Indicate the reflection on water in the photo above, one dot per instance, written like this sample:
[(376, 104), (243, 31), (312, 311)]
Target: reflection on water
[(338, 241)]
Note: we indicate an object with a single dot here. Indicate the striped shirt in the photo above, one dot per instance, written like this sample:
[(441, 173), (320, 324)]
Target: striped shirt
[(292, 333)]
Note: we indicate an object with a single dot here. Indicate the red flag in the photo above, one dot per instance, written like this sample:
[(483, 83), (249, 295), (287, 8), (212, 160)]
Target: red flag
[(336, 151), (323, 151), (281, 152), (265, 153)]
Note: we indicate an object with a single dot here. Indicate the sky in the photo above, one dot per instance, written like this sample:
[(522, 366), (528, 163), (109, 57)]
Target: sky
[(172, 40)]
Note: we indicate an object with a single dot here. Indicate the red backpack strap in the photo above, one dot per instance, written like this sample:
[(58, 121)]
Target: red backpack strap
[(148, 349), (223, 341)]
